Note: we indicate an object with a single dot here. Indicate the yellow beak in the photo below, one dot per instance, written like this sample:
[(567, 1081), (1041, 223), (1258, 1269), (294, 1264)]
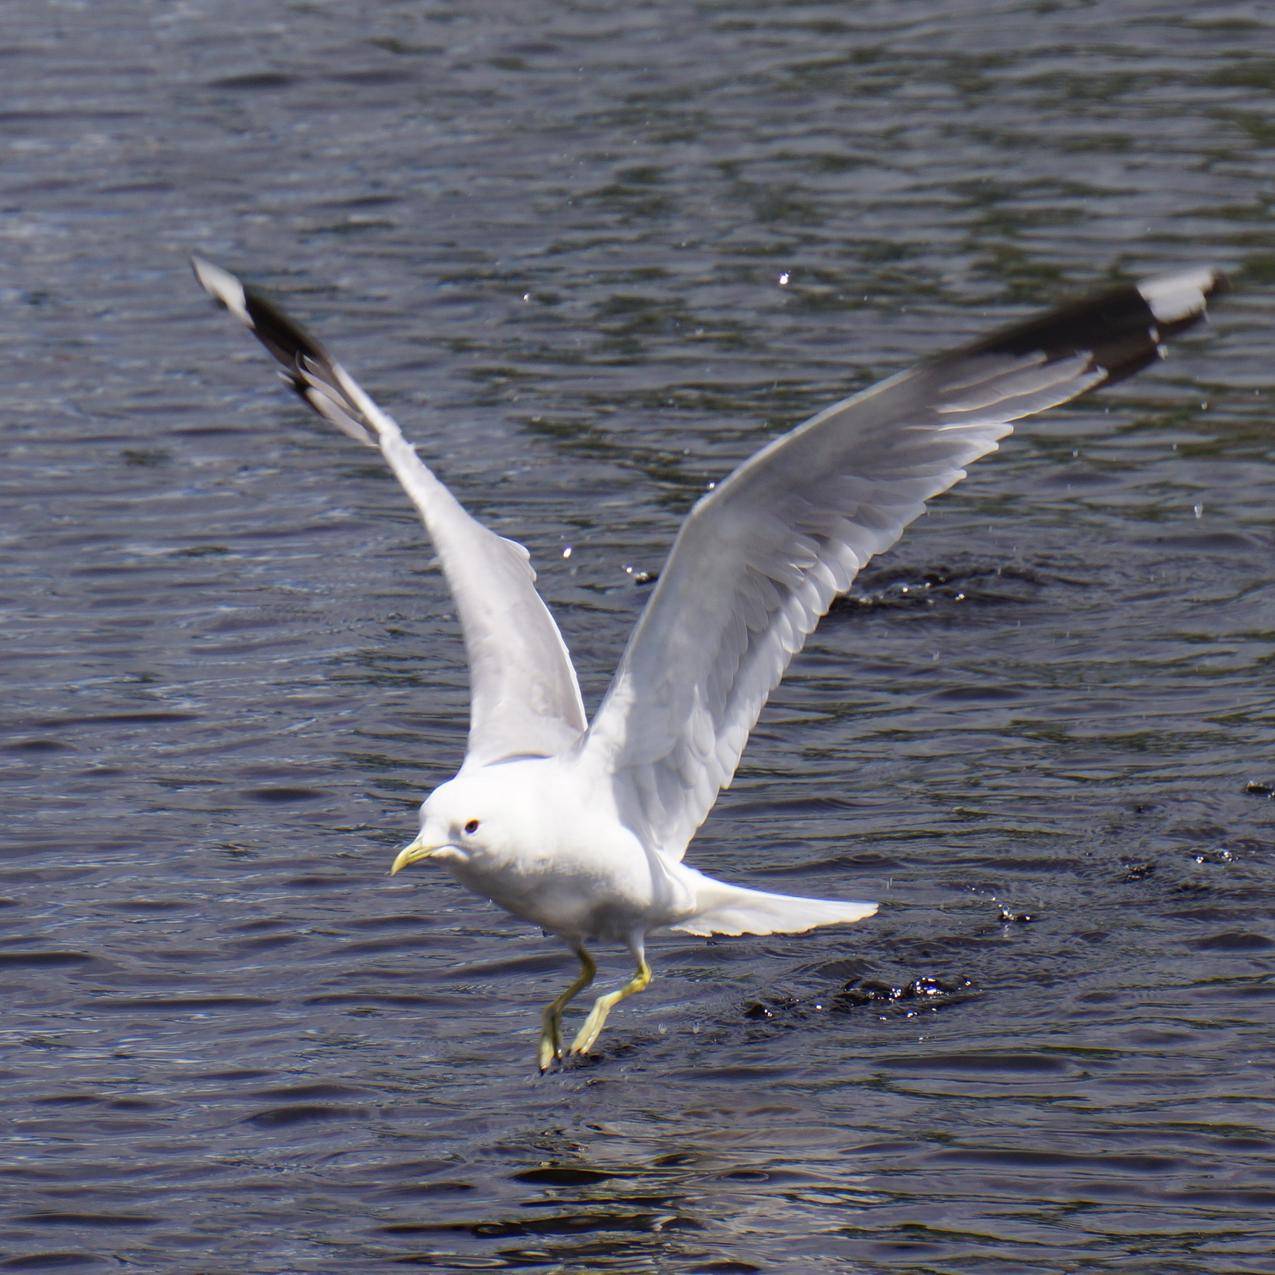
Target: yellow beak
[(414, 853)]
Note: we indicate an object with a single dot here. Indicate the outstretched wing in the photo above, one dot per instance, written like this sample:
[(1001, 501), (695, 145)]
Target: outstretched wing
[(524, 696), (760, 559)]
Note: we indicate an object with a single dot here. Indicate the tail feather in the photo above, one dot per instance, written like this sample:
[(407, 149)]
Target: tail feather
[(733, 909)]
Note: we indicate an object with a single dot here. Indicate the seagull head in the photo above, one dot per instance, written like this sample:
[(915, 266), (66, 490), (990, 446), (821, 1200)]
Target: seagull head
[(458, 822)]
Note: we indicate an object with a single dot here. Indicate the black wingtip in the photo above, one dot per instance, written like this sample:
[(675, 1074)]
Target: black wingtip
[(1121, 329), (285, 338)]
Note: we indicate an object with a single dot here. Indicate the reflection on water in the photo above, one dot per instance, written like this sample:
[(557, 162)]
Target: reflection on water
[(591, 264)]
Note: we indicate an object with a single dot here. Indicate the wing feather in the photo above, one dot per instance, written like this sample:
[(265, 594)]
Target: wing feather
[(760, 559), (524, 697)]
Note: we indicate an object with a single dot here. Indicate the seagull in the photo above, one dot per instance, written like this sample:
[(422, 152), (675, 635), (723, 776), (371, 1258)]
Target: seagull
[(581, 827)]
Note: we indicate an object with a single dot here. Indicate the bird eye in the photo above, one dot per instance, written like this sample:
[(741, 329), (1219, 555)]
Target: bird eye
[(471, 827)]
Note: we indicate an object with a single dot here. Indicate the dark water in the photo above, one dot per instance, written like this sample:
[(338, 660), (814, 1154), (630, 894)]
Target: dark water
[(550, 237)]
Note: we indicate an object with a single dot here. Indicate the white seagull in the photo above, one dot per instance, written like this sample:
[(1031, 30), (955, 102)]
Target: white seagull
[(581, 827)]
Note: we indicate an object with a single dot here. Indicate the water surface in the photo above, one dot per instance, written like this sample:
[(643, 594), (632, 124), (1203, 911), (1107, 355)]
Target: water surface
[(592, 260)]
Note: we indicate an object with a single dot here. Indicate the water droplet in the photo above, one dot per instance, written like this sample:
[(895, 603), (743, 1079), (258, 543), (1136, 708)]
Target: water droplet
[(1009, 916)]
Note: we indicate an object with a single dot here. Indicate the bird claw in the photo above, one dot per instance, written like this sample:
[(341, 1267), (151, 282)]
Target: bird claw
[(550, 1050), (586, 1039)]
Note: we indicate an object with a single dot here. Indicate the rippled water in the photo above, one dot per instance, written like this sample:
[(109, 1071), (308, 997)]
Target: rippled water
[(551, 238)]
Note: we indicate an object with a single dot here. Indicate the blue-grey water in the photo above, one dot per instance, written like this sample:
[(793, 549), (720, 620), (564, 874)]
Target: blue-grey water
[(592, 255)]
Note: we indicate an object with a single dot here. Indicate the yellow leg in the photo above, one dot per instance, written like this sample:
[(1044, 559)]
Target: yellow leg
[(551, 1016), (593, 1025)]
